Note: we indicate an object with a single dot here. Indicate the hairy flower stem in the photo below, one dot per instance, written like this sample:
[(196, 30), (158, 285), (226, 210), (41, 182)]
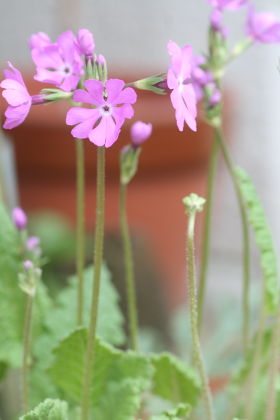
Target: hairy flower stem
[(129, 271), (194, 317), (273, 371), (80, 227), (254, 372), (26, 353), (97, 260), (212, 169), (245, 237)]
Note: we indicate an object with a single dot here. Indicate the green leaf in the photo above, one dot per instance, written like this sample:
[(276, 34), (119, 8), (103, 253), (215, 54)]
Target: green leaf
[(110, 322), (174, 413), (263, 237), (110, 319), (173, 380), (118, 379), (48, 410)]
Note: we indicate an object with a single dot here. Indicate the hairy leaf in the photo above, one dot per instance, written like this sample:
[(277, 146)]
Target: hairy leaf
[(61, 320), (48, 410), (119, 377), (174, 381), (263, 237)]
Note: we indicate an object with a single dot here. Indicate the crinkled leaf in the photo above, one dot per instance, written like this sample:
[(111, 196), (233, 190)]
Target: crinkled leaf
[(48, 410), (110, 319), (118, 378), (174, 381), (110, 326), (263, 237)]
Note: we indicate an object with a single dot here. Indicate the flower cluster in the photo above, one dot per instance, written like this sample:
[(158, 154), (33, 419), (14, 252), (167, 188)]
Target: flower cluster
[(102, 105)]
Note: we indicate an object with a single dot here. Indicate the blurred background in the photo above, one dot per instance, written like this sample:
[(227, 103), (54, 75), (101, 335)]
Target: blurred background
[(133, 36)]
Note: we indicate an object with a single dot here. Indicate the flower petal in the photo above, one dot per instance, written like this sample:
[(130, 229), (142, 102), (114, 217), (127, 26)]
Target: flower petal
[(76, 115), (114, 88)]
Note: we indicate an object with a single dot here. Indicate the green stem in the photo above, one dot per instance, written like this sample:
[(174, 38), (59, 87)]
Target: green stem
[(98, 254), (80, 227), (254, 372), (194, 317), (270, 413), (245, 238), (26, 353), (129, 271), (212, 170)]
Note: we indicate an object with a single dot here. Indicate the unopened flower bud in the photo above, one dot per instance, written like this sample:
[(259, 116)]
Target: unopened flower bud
[(140, 132), (193, 203), (86, 42), (28, 265), (19, 218), (129, 163)]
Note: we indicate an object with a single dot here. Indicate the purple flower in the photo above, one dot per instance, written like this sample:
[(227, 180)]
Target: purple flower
[(59, 63), (17, 96), (228, 4), (39, 40), (85, 42), (263, 27), (112, 105), (179, 80), (19, 218), (140, 132)]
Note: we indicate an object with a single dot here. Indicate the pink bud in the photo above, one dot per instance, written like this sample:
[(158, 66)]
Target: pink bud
[(32, 243), (140, 132), (28, 265), (85, 42), (19, 218)]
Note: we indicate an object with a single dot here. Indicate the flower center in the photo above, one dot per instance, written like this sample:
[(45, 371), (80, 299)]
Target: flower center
[(106, 110), (66, 70)]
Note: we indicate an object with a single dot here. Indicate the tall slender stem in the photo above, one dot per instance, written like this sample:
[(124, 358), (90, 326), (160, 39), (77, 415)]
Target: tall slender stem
[(129, 271), (245, 236), (270, 413), (254, 372), (212, 170), (80, 227), (97, 259), (194, 317), (26, 353)]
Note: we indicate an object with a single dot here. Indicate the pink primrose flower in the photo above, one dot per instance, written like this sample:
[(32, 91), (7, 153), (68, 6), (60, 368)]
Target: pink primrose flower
[(263, 27), (140, 132), (179, 81), (59, 63), (228, 4), (111, 106), (17, 96)]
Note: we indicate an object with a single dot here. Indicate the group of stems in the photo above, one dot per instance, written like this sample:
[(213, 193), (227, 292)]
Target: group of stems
[(220, 145)]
